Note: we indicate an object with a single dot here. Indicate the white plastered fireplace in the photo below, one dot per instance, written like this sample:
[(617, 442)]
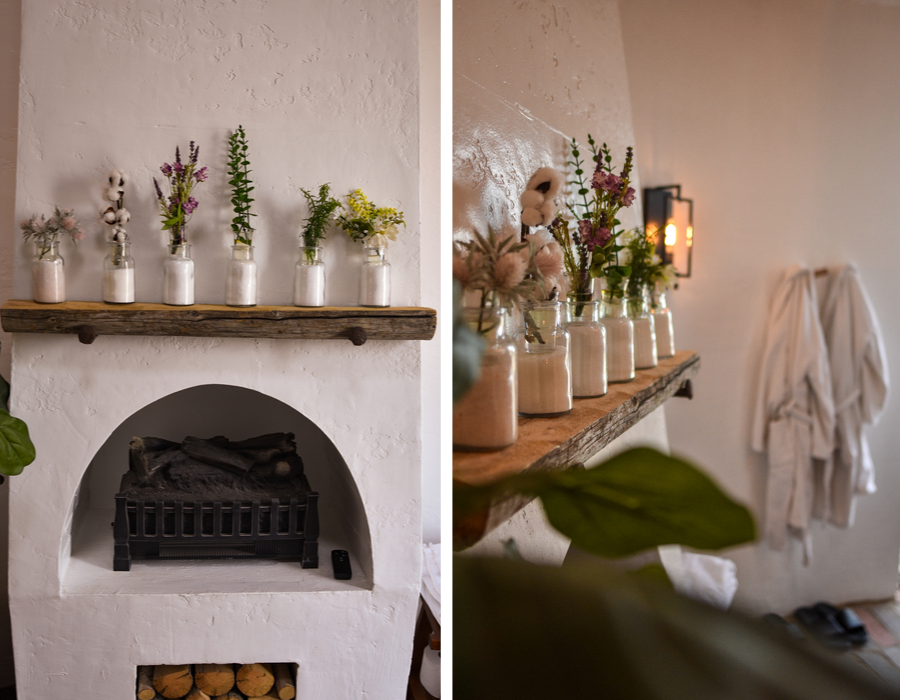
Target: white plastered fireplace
[(79, 628)]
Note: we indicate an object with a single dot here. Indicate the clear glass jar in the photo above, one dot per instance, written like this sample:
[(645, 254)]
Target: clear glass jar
[(309, 278), (619, 339), (240, 280), (178, 276), (665, 331), (644, 330), (375, 279), (118, 273), (587, 338), (543, 361), (485, 417), (48, 273)]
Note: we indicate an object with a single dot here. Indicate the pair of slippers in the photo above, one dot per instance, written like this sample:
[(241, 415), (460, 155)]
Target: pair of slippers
[(835, 628)]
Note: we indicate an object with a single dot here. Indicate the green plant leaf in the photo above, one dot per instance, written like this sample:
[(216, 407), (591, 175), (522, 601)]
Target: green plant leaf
[(4, 394), (16, 448), (637, 500)]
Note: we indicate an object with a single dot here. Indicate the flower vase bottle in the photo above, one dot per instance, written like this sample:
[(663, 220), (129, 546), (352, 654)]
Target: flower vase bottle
[(48, 273), (587, 338), (619, 339), (375, 279), (665, 332), (178, 276), (118, 273), (240, 283), (309, 278), (644, 330), (485, 417), (543, 361)]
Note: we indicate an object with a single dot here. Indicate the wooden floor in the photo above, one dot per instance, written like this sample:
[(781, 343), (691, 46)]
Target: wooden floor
[(881, 654)]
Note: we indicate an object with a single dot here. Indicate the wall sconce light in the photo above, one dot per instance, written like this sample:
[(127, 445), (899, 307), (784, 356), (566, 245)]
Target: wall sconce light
[(671, 217)]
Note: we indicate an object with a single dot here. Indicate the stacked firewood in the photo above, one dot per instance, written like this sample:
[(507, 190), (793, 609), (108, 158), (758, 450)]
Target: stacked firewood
[(217, 682)]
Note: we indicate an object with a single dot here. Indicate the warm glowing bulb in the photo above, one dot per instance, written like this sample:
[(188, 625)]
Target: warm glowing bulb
[(670, 234), (690, 236)]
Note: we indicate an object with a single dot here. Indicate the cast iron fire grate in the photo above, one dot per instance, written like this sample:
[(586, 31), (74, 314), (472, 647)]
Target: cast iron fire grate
[(216, 499)]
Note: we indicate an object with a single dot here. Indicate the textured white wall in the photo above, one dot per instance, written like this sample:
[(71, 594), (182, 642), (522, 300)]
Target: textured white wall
[(780, 120)]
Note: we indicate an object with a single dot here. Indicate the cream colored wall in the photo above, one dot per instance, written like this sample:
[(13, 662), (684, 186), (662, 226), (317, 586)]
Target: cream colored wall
[(781, 120)]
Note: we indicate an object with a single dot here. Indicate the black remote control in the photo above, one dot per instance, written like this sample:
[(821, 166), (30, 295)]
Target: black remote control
[(340, 560)]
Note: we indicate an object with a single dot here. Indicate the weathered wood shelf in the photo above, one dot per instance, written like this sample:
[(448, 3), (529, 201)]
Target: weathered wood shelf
[(89, 319), (546, 444)]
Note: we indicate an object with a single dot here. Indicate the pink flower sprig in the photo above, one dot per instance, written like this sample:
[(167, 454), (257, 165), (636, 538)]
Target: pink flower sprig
[(595, 241), (176, 209), (46, 231)]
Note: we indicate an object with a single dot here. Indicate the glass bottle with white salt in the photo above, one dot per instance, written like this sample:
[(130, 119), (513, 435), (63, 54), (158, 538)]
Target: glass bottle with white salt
[(375, 278), (543, 360), (587, 338), (619, 339), (118, 273), (662, 319), (644, 329)]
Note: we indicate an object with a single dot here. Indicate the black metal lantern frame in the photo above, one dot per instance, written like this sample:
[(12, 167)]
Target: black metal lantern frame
[(658, 212)]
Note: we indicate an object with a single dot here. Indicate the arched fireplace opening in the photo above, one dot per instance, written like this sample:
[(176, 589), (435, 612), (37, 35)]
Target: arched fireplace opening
[(236, 413)]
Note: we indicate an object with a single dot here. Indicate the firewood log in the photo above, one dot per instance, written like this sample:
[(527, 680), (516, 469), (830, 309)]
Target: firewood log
[(255, 680), (284, 683), (210, 453), (214, 679), (145, 689), (173, 681), (271, 695), (197, 694)]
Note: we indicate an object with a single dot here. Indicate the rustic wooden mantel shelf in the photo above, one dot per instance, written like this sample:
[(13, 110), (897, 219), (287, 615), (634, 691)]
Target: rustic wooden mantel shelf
[(560, 442), (89, 319)]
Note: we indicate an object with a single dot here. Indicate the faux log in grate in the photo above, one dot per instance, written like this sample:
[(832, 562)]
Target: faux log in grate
[(216, 499)]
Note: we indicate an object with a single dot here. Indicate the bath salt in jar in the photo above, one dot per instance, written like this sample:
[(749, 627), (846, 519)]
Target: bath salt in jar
[(587, 340), (644, 331), (543, 361), (309, 278), (48, 273), (619, 339), (375, 279), (240, 281), (486, 416), (178, 276), (118, 273), (665, 331)]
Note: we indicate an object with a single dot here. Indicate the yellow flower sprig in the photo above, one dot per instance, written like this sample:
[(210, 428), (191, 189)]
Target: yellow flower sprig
[(367, 224)]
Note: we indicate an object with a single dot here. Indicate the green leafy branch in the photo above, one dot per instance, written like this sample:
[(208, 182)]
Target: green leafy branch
[(321, 208), (241, 186)]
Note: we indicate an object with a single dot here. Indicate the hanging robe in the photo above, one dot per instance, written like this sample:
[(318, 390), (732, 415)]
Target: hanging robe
[(793, 418), (859, 379)]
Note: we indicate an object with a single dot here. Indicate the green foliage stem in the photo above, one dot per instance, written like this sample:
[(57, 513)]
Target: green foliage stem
[(321, 208), (241, 186)]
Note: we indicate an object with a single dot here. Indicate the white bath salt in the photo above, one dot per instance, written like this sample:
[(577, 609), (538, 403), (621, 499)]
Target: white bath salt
[(375, 285), (545, 382), (588, 346), (644, 343), (240, 285), (178, 281), (118, 286), (485, 417), (309, 285), (619, 349), (48, 280), (665, 333)]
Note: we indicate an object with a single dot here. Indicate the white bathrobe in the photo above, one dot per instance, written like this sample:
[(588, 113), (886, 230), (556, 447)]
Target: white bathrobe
[(859, 380), (793, 420)]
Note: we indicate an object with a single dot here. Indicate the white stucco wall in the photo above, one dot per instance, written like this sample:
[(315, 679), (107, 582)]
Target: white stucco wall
[(780, 120), (325, 94)]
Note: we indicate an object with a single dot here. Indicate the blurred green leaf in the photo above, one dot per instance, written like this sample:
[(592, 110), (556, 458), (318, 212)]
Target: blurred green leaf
[(16, 449), (636, 500)]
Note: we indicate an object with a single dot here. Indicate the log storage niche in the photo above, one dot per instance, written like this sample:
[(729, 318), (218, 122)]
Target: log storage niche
[(216, 499), (219, 681)]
